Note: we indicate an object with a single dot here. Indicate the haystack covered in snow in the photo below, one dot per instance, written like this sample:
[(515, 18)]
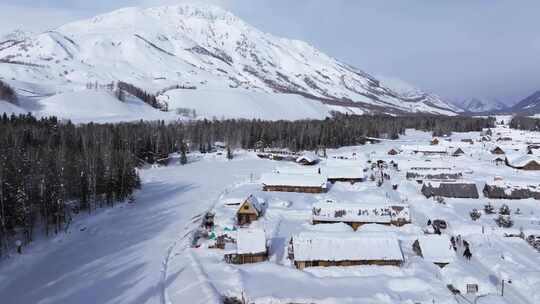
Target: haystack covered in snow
[(511, 190), (311, 249), (435, 248), (358, 214), (303, 183), (250, 210), (525, 162), (250, 247), (450, 189), (308, 158)]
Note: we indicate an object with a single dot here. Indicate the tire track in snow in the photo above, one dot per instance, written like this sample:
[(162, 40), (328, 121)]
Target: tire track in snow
[(201, 275)]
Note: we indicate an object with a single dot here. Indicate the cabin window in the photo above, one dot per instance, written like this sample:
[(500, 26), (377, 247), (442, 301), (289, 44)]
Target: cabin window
[(472, 288), (246, 207)]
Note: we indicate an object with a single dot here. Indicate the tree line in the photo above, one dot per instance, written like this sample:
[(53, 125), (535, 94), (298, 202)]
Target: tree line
[(51, 169), (525, 123)]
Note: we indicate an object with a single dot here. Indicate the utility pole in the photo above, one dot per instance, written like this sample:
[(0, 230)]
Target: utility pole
[(502, 288)]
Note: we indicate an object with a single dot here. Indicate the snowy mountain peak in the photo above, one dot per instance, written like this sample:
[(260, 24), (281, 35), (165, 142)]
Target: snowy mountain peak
[(208, 50)]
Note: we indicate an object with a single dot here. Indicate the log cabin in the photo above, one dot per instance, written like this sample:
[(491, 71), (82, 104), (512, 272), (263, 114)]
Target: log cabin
[(358, 214), (323, 249), (250, 247), (499, 189), (250, 210), (528, 162), (309, 183), (450, 189)]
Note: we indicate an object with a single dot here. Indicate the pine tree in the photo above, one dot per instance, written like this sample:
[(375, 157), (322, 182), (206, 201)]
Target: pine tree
[(229, 153)]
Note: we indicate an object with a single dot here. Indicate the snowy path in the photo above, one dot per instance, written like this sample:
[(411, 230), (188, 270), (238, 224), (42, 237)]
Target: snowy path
[(121, 256)]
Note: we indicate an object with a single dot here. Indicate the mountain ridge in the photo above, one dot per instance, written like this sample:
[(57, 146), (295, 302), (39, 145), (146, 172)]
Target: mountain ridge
[(202, 47)]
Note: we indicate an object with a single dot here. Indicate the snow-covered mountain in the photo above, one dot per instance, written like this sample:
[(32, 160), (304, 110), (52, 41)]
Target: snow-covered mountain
[(219, 61), (529, 105), (476, 105)]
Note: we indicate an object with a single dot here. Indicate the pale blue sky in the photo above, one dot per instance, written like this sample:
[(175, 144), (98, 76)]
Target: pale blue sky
[(456, 48)]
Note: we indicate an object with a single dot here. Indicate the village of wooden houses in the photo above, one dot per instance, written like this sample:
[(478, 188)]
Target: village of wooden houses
[(416, 220)]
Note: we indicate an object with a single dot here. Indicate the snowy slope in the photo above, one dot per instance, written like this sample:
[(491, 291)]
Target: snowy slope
[(476, 105), (203, 47), (97, 106), (529, 105)]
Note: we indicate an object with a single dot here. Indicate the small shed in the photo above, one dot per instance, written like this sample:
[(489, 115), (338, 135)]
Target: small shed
[(250, 247), (434, 141), (308, 183), (458, 152), (435, 248), (393, 151), (358, 214), (250, 210), (468, 140), (497, 151), (450, 189), (308, 159), (312, 249)]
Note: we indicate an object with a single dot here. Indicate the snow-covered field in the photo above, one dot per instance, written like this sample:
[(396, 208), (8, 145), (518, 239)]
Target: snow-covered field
[(145, 253)]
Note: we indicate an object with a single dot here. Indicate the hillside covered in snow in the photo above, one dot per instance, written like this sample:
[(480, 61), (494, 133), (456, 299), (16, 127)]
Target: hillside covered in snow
[(198, 56)]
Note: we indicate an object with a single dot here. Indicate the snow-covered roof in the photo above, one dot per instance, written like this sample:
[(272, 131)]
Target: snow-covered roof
[(437, 248), (297, 169), (429, 149), (345, 246), (295, 180), (352, 172), (308, 156), (250, 241), (515, 185), (360, 212), (255, 202), (523, 160)]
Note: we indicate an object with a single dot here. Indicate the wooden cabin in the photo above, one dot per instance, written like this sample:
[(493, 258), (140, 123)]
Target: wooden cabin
[(358, 214), (434, 141), (309, 183), (393, 152), (250, 210), (497, 151), (435, 175), (308, 159), (434, 248), (250, 247), (499, 189), (450, 189), (528, 162), (349, 174), (430, 150), (323, 249)]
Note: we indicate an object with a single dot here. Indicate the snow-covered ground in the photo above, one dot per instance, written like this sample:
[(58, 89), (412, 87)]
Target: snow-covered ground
[(143, 253)]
